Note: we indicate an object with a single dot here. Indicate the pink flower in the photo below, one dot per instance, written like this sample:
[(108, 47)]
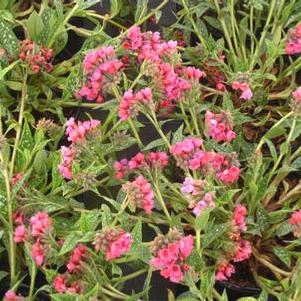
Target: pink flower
[(65, 168), (140, 193), (75, 262), (16, 178), (40, 224), (206, 202), (101, 70), (59, 284), (239, 217), (293, 44), (12, 296), (185, 150), (20, 234), (121, 168), (220, 126), (138, 161), (113, 242), (295, 222), (170, 258), (130, 103), (157, 159), (18, 218), (229, 175), (173, 272), (192, 73), (224, 271), (243, 250), (77, 132), (244, 88), (38, 253)]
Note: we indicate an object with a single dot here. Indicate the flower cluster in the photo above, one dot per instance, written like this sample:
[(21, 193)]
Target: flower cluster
[(63, 284), (170, 253), (76, 260), (130, 102), (293, 43), (38, 58), (101, 71), (149, 45), (295, 222), (242, 249), (247, 93), (189, 155), (113, 242), (199, 199), (185, 151), (140, 194), (77, 134), (220, 126), (140, 161)]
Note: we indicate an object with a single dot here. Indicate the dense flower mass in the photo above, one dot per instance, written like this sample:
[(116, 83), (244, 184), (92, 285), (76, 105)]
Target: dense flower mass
[(12, 296), (113, 243), (37, 57), (170, 253), (20, 234), (130, 103), (295, 222), (220, 126), (40, 224), (140, 194), (243, 250), (101, 71), (63, 284), (293, 43)]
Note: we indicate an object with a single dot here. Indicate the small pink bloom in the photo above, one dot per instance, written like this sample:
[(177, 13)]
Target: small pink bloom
[(40, 224), (121, 168), (75, 262), (59, 284), (173, 272), (295, 221), (38, 253), (12, 296), (140, 193), (20, 234), (293, 44), (229, 175), (239, 217), (224, 271), (243, 250)]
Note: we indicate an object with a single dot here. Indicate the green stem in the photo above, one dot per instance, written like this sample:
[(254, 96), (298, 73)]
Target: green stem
[(32, 280), (121, 210), (130, 276), (160, 199), (195, 28), (20, 122), (263, 34), (252, 29), (135, 133), (194, 120)]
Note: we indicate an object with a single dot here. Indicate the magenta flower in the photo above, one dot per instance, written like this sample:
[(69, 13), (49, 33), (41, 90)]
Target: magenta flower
[(239, 217), (40, 224), (220, 126), (243, 250), (76, 259), (295, 221), (12, 296), (140, 194), (20, 234), (38, 253), (224, 271), (293, 44)]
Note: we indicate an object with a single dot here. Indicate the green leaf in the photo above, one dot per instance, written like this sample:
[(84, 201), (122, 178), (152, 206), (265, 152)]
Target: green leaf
[(262, 218), (141, 9), (84, 4), (213, 234), (201, 221), (115, 8), (2, 200), (39, 161), (69, 243), (106, 217), (89, 220), (9, 40), (224, 296), (274, 132), (178, 134), (283, 254), (63, 297), (27, 139), (284, 229), (137, 236), (247, 299), (154, 143), (7, 69), (263, 296), (59, 9), (35, 25)]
